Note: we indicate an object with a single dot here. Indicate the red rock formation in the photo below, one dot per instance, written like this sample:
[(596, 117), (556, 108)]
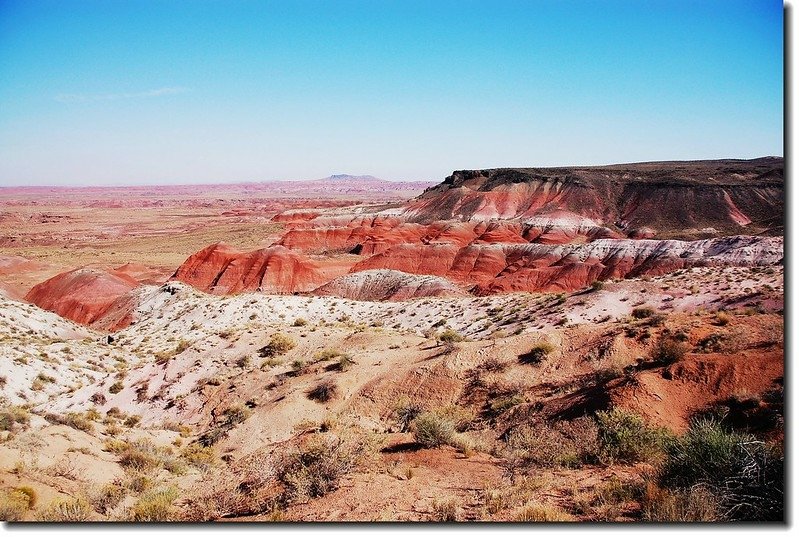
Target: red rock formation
[(82, 295), (728, 196), (387, 285), (538, 267), (219, 269)]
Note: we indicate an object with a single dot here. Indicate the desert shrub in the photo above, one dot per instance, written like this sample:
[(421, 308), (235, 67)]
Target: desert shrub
[(323, 392), (138, 482), (299, 321), (445, 510), (106, 497), (13, 505), (625, 437), (449, 336), (278, 344), (722, 318), (12, 415), (537, 353), (71, 419), (536, 512), (326, 354), (132, 421), (246, 486), (345, 361), (314, 468), (155, 506), (668, 350), (28, 492), (564, 443), (138, 459), (597, 285), (642, 312), (405, 412), (433, 430), (66, 510), (745, 474), (98, 398), (199, 456), (503, 403)]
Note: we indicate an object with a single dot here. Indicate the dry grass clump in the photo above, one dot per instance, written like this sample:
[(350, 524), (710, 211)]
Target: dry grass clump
[(199, 456), (696, 504), (72, 419), (14, 417), (13, 505), (537, 353), (668, 350), (323, 392), (313, 468), (106, 497), (278, 344), (564, 443), (66, 510), (446, 510), (246, 487), (537, 512), (155, 506), (642, 312), (433, 430)]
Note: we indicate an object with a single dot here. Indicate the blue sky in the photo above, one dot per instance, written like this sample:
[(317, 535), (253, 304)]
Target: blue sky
[(131, 92)]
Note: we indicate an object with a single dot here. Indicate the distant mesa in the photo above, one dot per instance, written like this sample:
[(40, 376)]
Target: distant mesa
[(728, 196), (351, 178)]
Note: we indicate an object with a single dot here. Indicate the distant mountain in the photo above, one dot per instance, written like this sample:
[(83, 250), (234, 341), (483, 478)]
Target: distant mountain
[(351, 178)]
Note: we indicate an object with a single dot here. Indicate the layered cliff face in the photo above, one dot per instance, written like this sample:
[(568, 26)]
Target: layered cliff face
[(83, 295), (220, 269), (729, 196), (534, 267)]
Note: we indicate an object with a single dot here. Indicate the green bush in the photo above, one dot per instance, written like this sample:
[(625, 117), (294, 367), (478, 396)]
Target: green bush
[(626, 438), (449, 336), (745, 474), (433, 430)]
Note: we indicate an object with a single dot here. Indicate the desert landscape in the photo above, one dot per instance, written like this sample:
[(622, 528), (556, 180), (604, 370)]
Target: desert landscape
[(542, 344)]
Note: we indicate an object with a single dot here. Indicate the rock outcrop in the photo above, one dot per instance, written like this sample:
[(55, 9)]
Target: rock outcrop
[(220, 269)]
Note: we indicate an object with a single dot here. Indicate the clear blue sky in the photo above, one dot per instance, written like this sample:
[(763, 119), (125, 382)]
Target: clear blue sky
[(129, 92)]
